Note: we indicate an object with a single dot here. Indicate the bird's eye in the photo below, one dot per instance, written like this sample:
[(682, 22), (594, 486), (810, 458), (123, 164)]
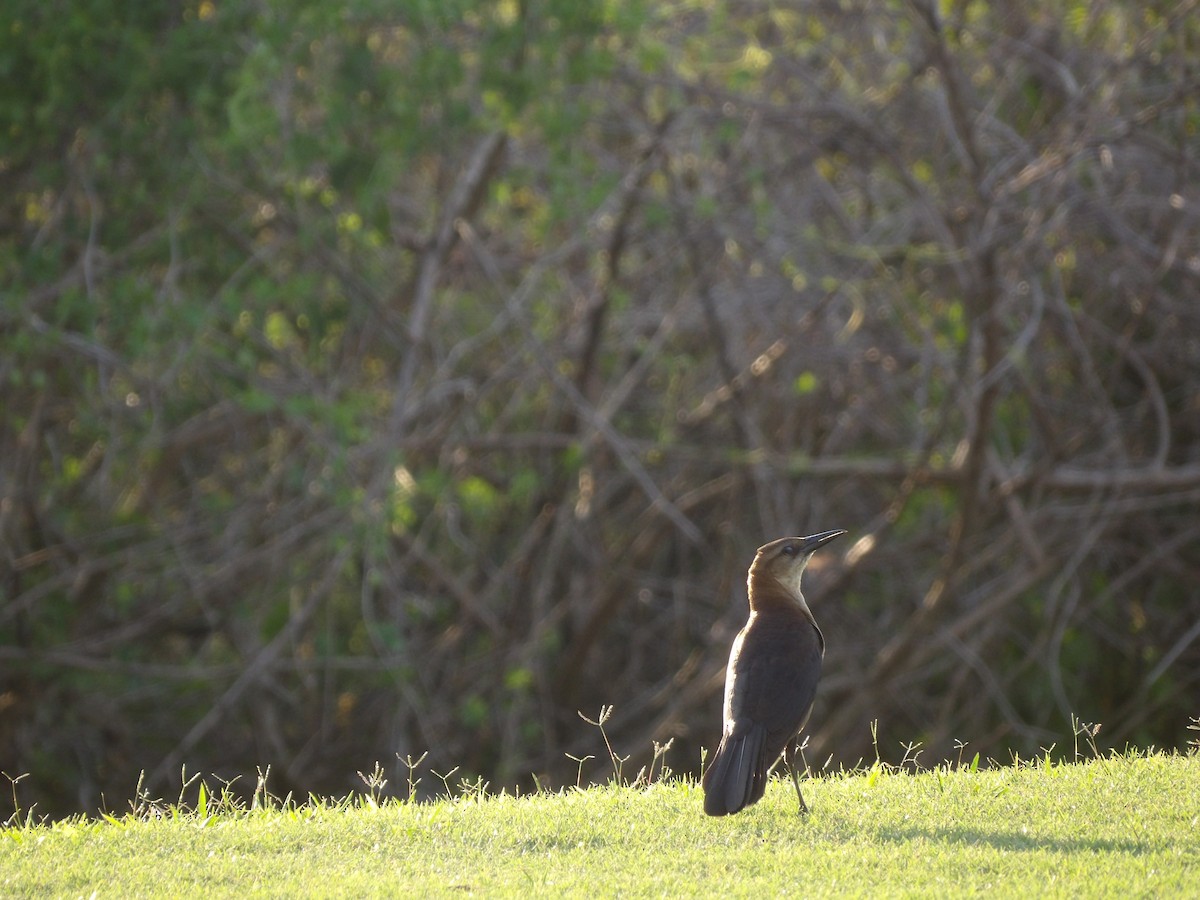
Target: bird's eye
[(789, 550)]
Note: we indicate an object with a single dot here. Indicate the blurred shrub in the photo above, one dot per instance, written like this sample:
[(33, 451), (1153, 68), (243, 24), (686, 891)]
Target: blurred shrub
[(397, 377)]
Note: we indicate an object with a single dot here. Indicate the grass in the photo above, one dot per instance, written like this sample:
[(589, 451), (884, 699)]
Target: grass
[(1121, 825)]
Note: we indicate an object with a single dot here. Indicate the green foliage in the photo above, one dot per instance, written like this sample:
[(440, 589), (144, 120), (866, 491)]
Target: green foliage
[(375, 372)]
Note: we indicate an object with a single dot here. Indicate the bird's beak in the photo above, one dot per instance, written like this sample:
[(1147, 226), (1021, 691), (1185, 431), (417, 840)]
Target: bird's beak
[(813, 541)]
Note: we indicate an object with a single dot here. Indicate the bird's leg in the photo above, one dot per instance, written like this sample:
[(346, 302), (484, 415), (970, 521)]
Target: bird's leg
[(789, 759)]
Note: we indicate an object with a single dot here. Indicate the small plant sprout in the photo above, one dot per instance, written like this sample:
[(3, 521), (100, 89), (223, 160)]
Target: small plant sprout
[(579, 761), (1088, 731), (476, 789), (618, 762), (445, 779), (412, 764), (645, 775), (960, 746), (261, 798), (912, 750), (660, 751), (375, 782), (16, 817)]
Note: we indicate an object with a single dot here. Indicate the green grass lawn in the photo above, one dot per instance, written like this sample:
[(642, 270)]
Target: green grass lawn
[(1118, 826)]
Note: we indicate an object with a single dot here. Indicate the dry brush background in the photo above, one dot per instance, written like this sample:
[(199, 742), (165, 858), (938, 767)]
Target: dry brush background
[(389, 379)]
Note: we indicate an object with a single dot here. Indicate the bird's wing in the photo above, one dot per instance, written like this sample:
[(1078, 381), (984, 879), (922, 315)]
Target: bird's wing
[(772, 679)]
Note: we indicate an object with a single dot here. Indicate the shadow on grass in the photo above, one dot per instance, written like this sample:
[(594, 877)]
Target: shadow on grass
[(1018, 841)]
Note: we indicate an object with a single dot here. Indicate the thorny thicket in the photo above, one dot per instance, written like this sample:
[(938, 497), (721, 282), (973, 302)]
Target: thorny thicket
[(421, 427)]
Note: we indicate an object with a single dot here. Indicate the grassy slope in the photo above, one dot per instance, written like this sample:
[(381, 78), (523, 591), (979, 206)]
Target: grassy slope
[(1127, 826)]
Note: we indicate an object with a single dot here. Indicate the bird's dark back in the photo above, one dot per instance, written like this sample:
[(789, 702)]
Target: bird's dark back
[(776, 672)]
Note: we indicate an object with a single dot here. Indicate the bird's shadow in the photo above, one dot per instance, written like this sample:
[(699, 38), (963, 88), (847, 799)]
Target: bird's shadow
[(1017, 841)]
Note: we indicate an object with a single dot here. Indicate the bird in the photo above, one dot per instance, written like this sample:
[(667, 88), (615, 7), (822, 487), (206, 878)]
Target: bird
[(771, 679)]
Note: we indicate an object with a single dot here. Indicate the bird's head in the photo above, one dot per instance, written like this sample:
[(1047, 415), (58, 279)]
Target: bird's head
[(783, 561)]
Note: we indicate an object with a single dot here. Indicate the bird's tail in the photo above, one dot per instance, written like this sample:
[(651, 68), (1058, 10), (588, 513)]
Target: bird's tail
[(737, 776)]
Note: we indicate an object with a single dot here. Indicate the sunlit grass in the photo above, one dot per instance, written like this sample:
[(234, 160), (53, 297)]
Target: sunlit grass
[(1126, 825)]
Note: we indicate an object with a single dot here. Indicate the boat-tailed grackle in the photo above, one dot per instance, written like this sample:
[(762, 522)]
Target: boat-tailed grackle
[(771, 680)]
